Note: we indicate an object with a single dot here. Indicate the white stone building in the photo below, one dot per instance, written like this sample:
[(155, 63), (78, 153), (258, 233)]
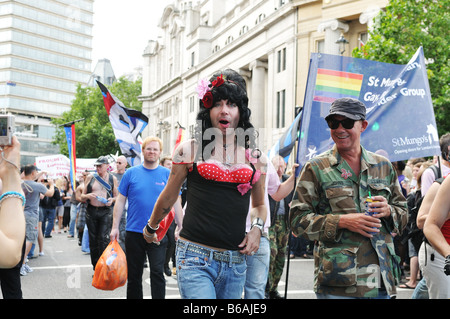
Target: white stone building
[(254, 37), (268, 41)]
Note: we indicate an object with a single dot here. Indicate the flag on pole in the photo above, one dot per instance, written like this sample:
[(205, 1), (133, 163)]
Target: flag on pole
[(285, 144), (71, 143), (398, 105), (180, 137), (127, 125)]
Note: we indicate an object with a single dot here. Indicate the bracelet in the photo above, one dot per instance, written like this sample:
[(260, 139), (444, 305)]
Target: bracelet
[(12, 194), (150, 229), (147, 235)]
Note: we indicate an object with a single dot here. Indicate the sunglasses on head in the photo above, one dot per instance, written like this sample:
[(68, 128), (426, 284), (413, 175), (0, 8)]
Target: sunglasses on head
[(346, 123)]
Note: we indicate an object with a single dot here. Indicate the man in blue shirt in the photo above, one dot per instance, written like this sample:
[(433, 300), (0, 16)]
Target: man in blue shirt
[(141, 185)]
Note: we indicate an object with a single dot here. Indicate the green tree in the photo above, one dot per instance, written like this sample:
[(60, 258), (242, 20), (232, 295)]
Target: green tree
[(400, 30), (94, 135)]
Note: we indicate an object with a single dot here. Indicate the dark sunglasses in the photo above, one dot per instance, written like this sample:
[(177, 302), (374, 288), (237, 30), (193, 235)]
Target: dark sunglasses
[(346, 123)]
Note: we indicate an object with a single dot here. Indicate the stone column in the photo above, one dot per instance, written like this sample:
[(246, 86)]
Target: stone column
[(258, 97), (367, 17), (333, 30)]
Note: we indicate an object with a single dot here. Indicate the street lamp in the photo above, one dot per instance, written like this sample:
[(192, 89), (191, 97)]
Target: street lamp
[(342, 42)]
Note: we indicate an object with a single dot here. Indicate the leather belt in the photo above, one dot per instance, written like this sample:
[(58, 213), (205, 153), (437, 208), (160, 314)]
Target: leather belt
[(217, 255), (98, 207)]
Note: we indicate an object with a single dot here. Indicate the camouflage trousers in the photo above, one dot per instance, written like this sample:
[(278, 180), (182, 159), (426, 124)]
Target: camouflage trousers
[(278, 238)]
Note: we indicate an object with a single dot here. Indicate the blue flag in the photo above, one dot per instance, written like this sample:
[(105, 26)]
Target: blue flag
[(398, 106), (285, 144), (71, 145)]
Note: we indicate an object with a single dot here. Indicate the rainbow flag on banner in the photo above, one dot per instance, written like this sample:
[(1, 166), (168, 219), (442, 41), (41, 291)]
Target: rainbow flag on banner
[(332, 85), (331, 76), (70, 136)]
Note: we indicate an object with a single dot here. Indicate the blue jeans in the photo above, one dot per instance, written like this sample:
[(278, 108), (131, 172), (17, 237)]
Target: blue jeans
[(85, 241), (49, 215), (257, 270), (73, 217), (204, 273)]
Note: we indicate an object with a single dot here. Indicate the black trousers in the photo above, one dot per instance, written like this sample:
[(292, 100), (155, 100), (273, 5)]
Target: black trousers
[(171, 244), (10, 280), (99, 223), (136, 250)]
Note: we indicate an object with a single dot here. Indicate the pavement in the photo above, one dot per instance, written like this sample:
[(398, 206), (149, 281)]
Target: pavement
[(65, 272)]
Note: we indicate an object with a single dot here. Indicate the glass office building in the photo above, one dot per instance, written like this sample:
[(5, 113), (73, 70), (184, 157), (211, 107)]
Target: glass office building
[(45, 51)]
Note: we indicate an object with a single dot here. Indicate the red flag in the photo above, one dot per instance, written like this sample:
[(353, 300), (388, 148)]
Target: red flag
[(180, 137)]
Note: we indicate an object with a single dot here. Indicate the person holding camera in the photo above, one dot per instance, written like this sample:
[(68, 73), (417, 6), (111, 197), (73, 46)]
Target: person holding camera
[(12, 221), (48, 205), (12, 200), (32, 190)]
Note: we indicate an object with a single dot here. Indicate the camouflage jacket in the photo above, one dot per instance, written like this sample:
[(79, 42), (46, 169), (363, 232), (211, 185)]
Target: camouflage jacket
[(347, 263)]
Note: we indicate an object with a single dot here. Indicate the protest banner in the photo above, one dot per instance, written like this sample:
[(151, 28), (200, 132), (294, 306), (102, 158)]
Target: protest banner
[(58, 166), (398, 105)]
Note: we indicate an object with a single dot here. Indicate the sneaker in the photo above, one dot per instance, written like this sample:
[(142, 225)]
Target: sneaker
[(41, 253), (27, 268), (23, 272)]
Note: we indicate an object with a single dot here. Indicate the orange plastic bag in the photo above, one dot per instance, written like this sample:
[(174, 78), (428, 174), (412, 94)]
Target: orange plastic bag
[(111, 269), (165, 224)]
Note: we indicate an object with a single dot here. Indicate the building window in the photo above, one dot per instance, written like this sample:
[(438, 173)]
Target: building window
[(281, 105), (320, 45), (191, 104), (281, 58), (192, 59), (362, 39), (243, 30), (260, 18), (191, 131), (167, 109)]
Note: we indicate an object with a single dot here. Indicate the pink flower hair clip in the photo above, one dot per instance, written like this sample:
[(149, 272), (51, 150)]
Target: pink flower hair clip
[(204, 90), (203, 87)]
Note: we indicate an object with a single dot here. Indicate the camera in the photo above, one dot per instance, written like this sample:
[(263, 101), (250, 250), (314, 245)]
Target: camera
[(6, 129)]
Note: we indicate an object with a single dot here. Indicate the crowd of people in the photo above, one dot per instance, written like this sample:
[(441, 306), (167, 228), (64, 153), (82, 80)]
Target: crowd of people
[(239, 214), (420, 182)]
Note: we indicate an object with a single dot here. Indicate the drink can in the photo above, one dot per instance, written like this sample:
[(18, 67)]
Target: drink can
[(370, 200)]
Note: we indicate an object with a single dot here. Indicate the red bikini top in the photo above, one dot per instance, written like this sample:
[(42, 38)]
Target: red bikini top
[(217, 171)]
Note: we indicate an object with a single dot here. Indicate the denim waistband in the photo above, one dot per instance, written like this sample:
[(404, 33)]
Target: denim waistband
[(236, 257)]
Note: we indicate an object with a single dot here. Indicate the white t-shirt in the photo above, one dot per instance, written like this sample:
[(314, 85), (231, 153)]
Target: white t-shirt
[(428, 177)]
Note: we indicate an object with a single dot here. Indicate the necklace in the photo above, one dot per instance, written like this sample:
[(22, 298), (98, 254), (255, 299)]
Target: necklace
[(224, 155)]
